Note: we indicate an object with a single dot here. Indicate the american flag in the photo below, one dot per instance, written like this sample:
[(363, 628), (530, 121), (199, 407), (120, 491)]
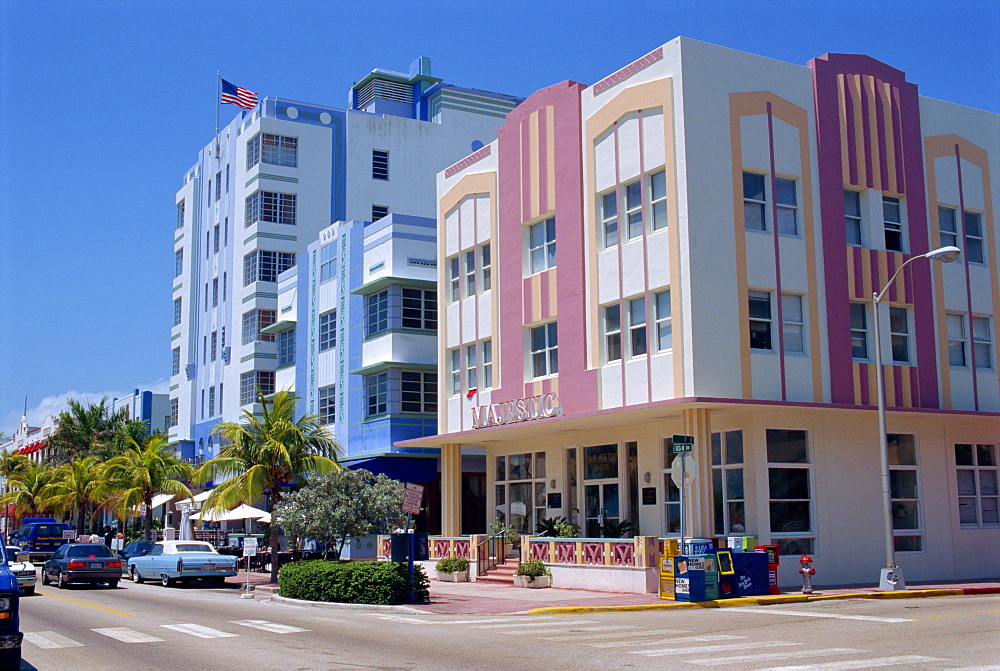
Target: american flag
[(237, 95)]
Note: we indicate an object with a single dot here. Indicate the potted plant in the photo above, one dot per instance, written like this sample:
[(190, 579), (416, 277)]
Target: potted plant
[(532, 573), (452, 569)]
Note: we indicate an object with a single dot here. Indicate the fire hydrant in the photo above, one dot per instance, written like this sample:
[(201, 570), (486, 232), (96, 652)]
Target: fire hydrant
[(807, 572)]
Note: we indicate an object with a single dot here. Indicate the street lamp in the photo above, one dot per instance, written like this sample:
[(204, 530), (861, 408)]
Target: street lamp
[(892, 577)]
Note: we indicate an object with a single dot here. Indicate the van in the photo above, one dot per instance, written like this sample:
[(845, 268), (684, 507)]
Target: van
[(41, 536)]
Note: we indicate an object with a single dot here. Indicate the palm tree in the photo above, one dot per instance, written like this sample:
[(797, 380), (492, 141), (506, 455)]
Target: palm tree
[(27, 491), (77, 486), (85, 430), (141, 472), (13, 463), (263, 453)]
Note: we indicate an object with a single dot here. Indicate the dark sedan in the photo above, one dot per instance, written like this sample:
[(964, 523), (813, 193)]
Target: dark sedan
[(134, 549), (82, 562)]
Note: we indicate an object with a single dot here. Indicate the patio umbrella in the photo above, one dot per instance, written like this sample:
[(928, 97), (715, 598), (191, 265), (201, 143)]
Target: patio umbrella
[(244, 512)]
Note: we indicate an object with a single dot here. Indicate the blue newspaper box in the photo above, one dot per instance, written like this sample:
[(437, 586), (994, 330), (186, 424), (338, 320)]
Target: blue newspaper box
[(695, 578), (751, 573)]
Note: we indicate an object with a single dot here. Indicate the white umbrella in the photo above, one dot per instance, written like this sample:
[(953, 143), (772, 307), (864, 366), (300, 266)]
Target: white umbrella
[(209, 516), (244, 512)]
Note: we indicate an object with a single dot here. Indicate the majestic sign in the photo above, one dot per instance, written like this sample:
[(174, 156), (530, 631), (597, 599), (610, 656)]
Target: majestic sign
[(521, 410)]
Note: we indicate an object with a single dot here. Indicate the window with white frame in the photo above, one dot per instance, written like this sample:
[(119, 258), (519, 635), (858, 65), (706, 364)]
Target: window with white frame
[(455, 359), (899, 332), (218, 186), (253, 322), (178, 262), (175, 412), (327, 262), (978, 494), (542, 245), (637, 326), (454, 280), (327, 330), (892, 217), (633, 209), (486, 266), (672, 496), (664, 325), (519, 499), (255, 381), (957, 340), (948, 227), (211, 401), (215, 344), (658, 199), (754, 202), (789, 491), (273, 149), (264, 266), (175, 361), (177, 311), (609, 217), (376, 313), (470, 272), (612, 332), (270, 207), (982, 342), (904, 492), (487, 357), (787, 205), (377, 394), (544, 350), (380, 164), (215, 292), (327, 404), (859, 331), (225, 278), (727, 483), (208, 241), (760, 319), (974, 237), (852, 217), (180, 214), (471, 379), (286, 347), (216, 235), (793, 323)]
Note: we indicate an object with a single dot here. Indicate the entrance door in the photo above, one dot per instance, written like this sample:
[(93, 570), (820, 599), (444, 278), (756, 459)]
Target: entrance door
[(601, 507)]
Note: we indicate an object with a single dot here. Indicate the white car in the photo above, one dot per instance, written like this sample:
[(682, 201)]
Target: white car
[(25, 571)]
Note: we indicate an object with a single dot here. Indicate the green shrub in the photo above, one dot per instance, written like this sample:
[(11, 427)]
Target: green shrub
[(375, 582), (452, 565)]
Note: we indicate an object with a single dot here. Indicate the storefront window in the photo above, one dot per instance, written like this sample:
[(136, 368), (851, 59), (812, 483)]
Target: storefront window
[(520, 500), (790, 505), (672, 499), (727, 482)]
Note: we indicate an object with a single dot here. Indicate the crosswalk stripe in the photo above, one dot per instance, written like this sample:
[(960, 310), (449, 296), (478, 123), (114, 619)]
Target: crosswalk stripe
[(269, 626), (687, 650), (50, 639), (834, 616), (764, 656), (592, 632), (198, 630), (126, 635), (706, 638), (411, 619), (862, 663), (564, 623)]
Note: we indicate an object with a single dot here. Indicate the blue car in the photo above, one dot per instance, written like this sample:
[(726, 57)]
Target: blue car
[(173, 562)]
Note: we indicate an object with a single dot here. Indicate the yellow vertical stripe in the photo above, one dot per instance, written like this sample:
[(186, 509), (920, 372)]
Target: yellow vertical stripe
[(898, 260), (850, 273), (890, 140), (845, 165), (550, 145), (859, 131), (890, 386), (882, 257), (866, 271), (856, 367), (534, 162), (872, 383), (873, 140), (553, 296), (536, 298), (907, 393)]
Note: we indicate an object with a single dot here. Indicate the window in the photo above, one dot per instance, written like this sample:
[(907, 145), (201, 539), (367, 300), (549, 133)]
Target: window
[(380, 164), (852, 217), (956, 339), (178, 262), (520, 497), (455, 358), (225, 231), (215, 292), (664, 330), (286, 347), (227, 178), (787, 203), (903, 489), (485, 264), (204, 355), (974, 237), (224, 283), (177, 311), (612, 332), (327, 262), (265, 266), (453, 278), (400, 308), (175, 361), (174, 412), (859, 331), (760, 319), (327, 330), (218, 186), (223, 338), (419, 309), (470, 367), (418, 391), (672, 496), (892, 216), (253, 322), (978, 496), (206, 297), (982, 342), (542, 245), (633, 209), (470, 273), (609, 218), (899, 333), (754, 202), (658, 199), (220, 398), (208, 244), (328, 405), (270, 207), (215, 239), (180, 214), (273, 149), (792, 323), (487, 364), (948, 226), (253, 381), (789, 491), (377, 394), (637, 326), (544, 350), (215, 344), (379, 211), (727, 482), (376, 313), (211, 401)]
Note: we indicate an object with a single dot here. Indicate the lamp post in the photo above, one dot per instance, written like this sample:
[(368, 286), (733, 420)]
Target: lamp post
[(892, 577)]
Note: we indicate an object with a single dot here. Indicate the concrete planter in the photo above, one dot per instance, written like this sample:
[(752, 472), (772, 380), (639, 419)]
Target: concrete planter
[(457, 576), (538, 582)]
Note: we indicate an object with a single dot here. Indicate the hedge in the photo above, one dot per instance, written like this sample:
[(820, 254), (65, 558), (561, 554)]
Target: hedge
[(375, 582)]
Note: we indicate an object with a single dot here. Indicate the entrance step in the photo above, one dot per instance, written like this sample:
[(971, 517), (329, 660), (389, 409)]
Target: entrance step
[(502, 574)]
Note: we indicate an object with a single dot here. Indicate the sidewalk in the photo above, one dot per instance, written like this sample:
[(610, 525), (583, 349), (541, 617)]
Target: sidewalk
[(469, 598)]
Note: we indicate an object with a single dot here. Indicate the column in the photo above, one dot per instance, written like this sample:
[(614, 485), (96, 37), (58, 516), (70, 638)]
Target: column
[(700, 522), (451, 489)]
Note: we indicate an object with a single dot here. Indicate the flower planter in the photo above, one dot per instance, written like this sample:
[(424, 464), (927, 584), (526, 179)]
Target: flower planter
[(538, 582), (457, 576)]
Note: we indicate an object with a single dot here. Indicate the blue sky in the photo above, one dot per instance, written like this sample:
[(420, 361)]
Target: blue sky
[(104, 105)]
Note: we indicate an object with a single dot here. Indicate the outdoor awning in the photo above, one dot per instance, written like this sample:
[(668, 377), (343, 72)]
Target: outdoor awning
[(404, 469)]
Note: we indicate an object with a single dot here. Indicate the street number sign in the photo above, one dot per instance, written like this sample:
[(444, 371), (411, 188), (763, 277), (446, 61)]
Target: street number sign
[(412, 497), (682, 443)]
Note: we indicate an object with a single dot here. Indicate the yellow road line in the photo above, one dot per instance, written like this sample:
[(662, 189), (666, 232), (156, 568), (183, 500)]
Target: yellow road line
[(113, 611)]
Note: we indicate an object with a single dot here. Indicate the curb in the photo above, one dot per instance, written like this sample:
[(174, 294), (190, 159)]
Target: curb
[(325, 605), (767, 600)]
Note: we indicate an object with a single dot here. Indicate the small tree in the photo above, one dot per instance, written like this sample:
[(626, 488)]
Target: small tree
[(340, 505)]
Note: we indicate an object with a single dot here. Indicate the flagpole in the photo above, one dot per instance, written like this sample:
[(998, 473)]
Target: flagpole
[(218, 103)]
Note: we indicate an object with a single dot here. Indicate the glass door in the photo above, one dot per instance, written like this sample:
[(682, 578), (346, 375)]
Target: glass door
[(602, 506)]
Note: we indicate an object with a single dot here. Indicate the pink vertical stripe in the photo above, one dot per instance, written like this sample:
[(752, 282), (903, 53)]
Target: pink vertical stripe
[(543, 161), (544, 310), (897, 134), (525, 177), (857, 258), (914, 388), (968, 280), (883, 152), (867, 133), (873, 265), (897, 383), (866, 398), (852, 140), (526, 303), (890, 264)]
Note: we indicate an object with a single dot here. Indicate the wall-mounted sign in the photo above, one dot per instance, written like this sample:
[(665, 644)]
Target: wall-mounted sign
[(649, 496), (521, 410)]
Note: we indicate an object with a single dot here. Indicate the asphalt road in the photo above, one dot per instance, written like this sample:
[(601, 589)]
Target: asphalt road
[(147, 626)]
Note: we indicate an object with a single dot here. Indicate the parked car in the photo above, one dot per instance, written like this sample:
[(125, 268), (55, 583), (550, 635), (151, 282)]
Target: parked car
[(82, 562), (180, 561), (27, 574), (134, 549), (10, 615)]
